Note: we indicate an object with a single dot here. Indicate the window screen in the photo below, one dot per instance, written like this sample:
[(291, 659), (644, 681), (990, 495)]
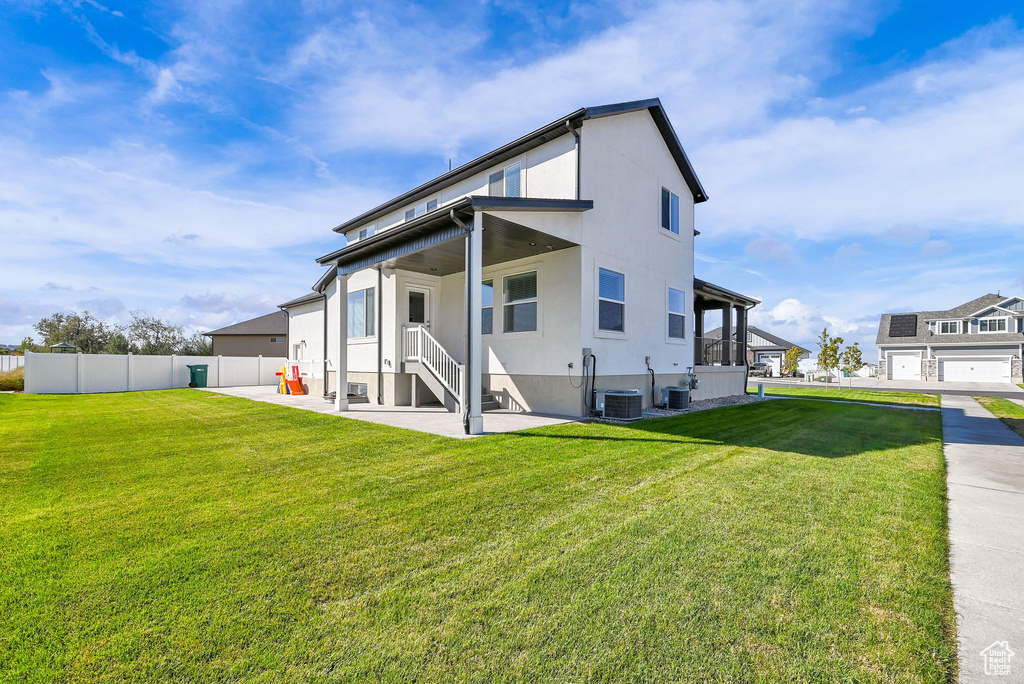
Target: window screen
[(520, 292), (611, 306)]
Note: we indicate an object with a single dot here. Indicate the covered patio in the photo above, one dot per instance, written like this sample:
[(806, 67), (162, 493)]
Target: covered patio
[(731, 348), (465, 236)]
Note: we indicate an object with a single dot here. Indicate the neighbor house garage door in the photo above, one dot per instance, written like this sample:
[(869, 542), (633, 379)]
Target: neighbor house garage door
[(974, 370), (904, 367), (773, 360)]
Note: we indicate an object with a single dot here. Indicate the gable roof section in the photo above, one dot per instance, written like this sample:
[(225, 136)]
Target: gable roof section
[(965, 310), (275, 324), (299, 301), (556, 129)]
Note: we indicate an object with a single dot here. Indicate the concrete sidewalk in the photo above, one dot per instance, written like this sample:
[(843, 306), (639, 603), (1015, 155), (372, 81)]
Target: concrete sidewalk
[(985, 466)]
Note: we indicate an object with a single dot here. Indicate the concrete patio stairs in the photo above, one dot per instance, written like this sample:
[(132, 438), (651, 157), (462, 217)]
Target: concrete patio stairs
[(441, 393)]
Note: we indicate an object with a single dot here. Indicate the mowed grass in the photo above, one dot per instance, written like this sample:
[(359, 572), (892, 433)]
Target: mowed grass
[(1005, 410), (862, 395), (189, 536)]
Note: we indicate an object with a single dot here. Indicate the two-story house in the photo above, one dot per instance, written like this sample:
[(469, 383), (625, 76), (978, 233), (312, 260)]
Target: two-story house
[(577, 240), (979, 341)]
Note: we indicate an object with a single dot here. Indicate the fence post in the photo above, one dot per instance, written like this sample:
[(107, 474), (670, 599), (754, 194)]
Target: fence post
[(220, 358), (172, 371), (129, 383), (259, 370), (78, 373)]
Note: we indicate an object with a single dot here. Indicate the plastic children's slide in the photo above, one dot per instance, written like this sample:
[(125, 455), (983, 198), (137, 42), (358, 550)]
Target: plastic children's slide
[(290, 380)]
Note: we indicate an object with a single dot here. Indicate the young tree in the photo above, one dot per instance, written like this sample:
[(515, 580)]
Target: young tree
[(828, 356), (791, 361), (852, 360)]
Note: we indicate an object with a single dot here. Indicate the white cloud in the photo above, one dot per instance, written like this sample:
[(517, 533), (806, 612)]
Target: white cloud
[(935, 248)]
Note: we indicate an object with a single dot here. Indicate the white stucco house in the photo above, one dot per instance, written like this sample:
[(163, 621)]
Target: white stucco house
[(578, 241), (979, 341)]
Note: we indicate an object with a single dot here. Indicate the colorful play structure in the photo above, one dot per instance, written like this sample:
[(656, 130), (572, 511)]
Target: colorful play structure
[(291, 382)]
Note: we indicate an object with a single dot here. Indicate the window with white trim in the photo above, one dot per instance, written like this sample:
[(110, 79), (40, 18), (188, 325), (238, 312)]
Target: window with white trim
[(410, 214), (677, 314), (507, 182), (432, 205), (361, 312), (520, 302), (949, 327), (611, 301), (277, 339), (670, 211), (487, 307), (992, 325)]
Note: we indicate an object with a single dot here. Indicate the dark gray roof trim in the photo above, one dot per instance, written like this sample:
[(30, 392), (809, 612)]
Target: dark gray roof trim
[(441, 217), (325, 280), (272, 324), (717, 292), (542, 135), (299, 301)]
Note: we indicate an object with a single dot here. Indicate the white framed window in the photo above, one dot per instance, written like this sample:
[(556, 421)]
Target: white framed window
[(670, 211), (987, 325), (361, 313), (277, 339), (949, 327), (410, 214), (487, 307), (365, 233), (611, 301), (507, 182), (677, 314), (431, 205), (357, 389), (520, 302)]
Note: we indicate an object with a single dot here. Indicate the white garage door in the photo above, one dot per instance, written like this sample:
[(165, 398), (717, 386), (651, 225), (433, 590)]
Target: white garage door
[(773, 360), (975, 370), (904, 367)]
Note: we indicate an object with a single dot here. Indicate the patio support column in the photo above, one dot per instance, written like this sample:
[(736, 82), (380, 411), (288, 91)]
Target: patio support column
[(726, 334), (341, 367), (474, 365), (741, 334), (698, 334)]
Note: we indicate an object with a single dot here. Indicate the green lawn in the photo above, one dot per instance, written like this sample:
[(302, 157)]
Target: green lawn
[(868, 396), (189, 536), (1005, 410)]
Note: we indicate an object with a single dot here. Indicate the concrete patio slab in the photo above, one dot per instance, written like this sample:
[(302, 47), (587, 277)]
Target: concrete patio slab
[(433, 420), (985, 475)]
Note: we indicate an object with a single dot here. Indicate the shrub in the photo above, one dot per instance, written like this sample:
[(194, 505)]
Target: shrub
[(13, 380)]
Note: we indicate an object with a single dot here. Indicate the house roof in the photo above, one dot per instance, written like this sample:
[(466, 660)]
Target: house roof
[(299, 301), (718, 293), (272, 324), (777, 342), (562, 126), (965, 310)]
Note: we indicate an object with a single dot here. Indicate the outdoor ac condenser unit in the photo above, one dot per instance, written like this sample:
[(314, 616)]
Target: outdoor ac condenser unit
[(621, 404), (676, 398)]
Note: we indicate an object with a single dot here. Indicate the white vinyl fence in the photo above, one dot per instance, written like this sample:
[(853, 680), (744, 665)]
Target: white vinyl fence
[(91, 373), (9, 363)]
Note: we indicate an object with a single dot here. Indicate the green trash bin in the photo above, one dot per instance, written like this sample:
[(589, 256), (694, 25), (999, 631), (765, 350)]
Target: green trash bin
[(197, 375)]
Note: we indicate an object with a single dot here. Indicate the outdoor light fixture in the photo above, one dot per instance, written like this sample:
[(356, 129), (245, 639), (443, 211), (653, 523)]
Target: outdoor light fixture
[(533, 244)]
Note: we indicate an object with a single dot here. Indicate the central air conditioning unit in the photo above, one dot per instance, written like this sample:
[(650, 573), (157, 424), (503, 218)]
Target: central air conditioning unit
[(621, 404), (676, 398)]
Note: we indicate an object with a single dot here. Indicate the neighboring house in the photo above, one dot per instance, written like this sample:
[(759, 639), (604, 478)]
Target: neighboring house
[(762, 346), (980, 341), (578, 241), (262, 336)]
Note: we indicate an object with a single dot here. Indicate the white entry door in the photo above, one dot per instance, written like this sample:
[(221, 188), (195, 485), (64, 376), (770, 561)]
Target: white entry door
[(904, 367), (418, 307), (974, 370)]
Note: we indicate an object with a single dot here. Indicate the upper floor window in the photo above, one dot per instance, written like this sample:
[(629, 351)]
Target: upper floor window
[(611, 300), (520, 302), (361, 312), (949, 327), (432, 205), (676, 311), (670, 210), (487, 307), (506, 183), (410, 214), (365, 233), (992, 325), (277, 339)]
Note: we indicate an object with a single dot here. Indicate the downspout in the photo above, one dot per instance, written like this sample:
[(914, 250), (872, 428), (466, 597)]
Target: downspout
[(380, 336), (324, 295), (746, 331), (576, 134), (469, 308)]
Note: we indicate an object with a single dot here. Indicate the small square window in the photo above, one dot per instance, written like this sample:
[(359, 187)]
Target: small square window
[(432, 205), (277, 339)]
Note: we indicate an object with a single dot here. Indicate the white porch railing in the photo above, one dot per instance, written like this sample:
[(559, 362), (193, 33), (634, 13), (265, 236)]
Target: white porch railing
[(420, 346)]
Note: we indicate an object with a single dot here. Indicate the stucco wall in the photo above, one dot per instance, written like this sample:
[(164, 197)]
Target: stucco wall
[(248, 345)]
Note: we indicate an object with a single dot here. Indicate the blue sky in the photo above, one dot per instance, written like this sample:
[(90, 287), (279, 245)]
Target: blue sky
[(189, 158)]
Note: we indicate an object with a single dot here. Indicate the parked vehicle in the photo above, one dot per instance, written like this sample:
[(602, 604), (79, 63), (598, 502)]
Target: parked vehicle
[(761, 370)]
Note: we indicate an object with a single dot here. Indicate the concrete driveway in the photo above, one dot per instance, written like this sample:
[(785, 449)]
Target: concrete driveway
[(991, 389)]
